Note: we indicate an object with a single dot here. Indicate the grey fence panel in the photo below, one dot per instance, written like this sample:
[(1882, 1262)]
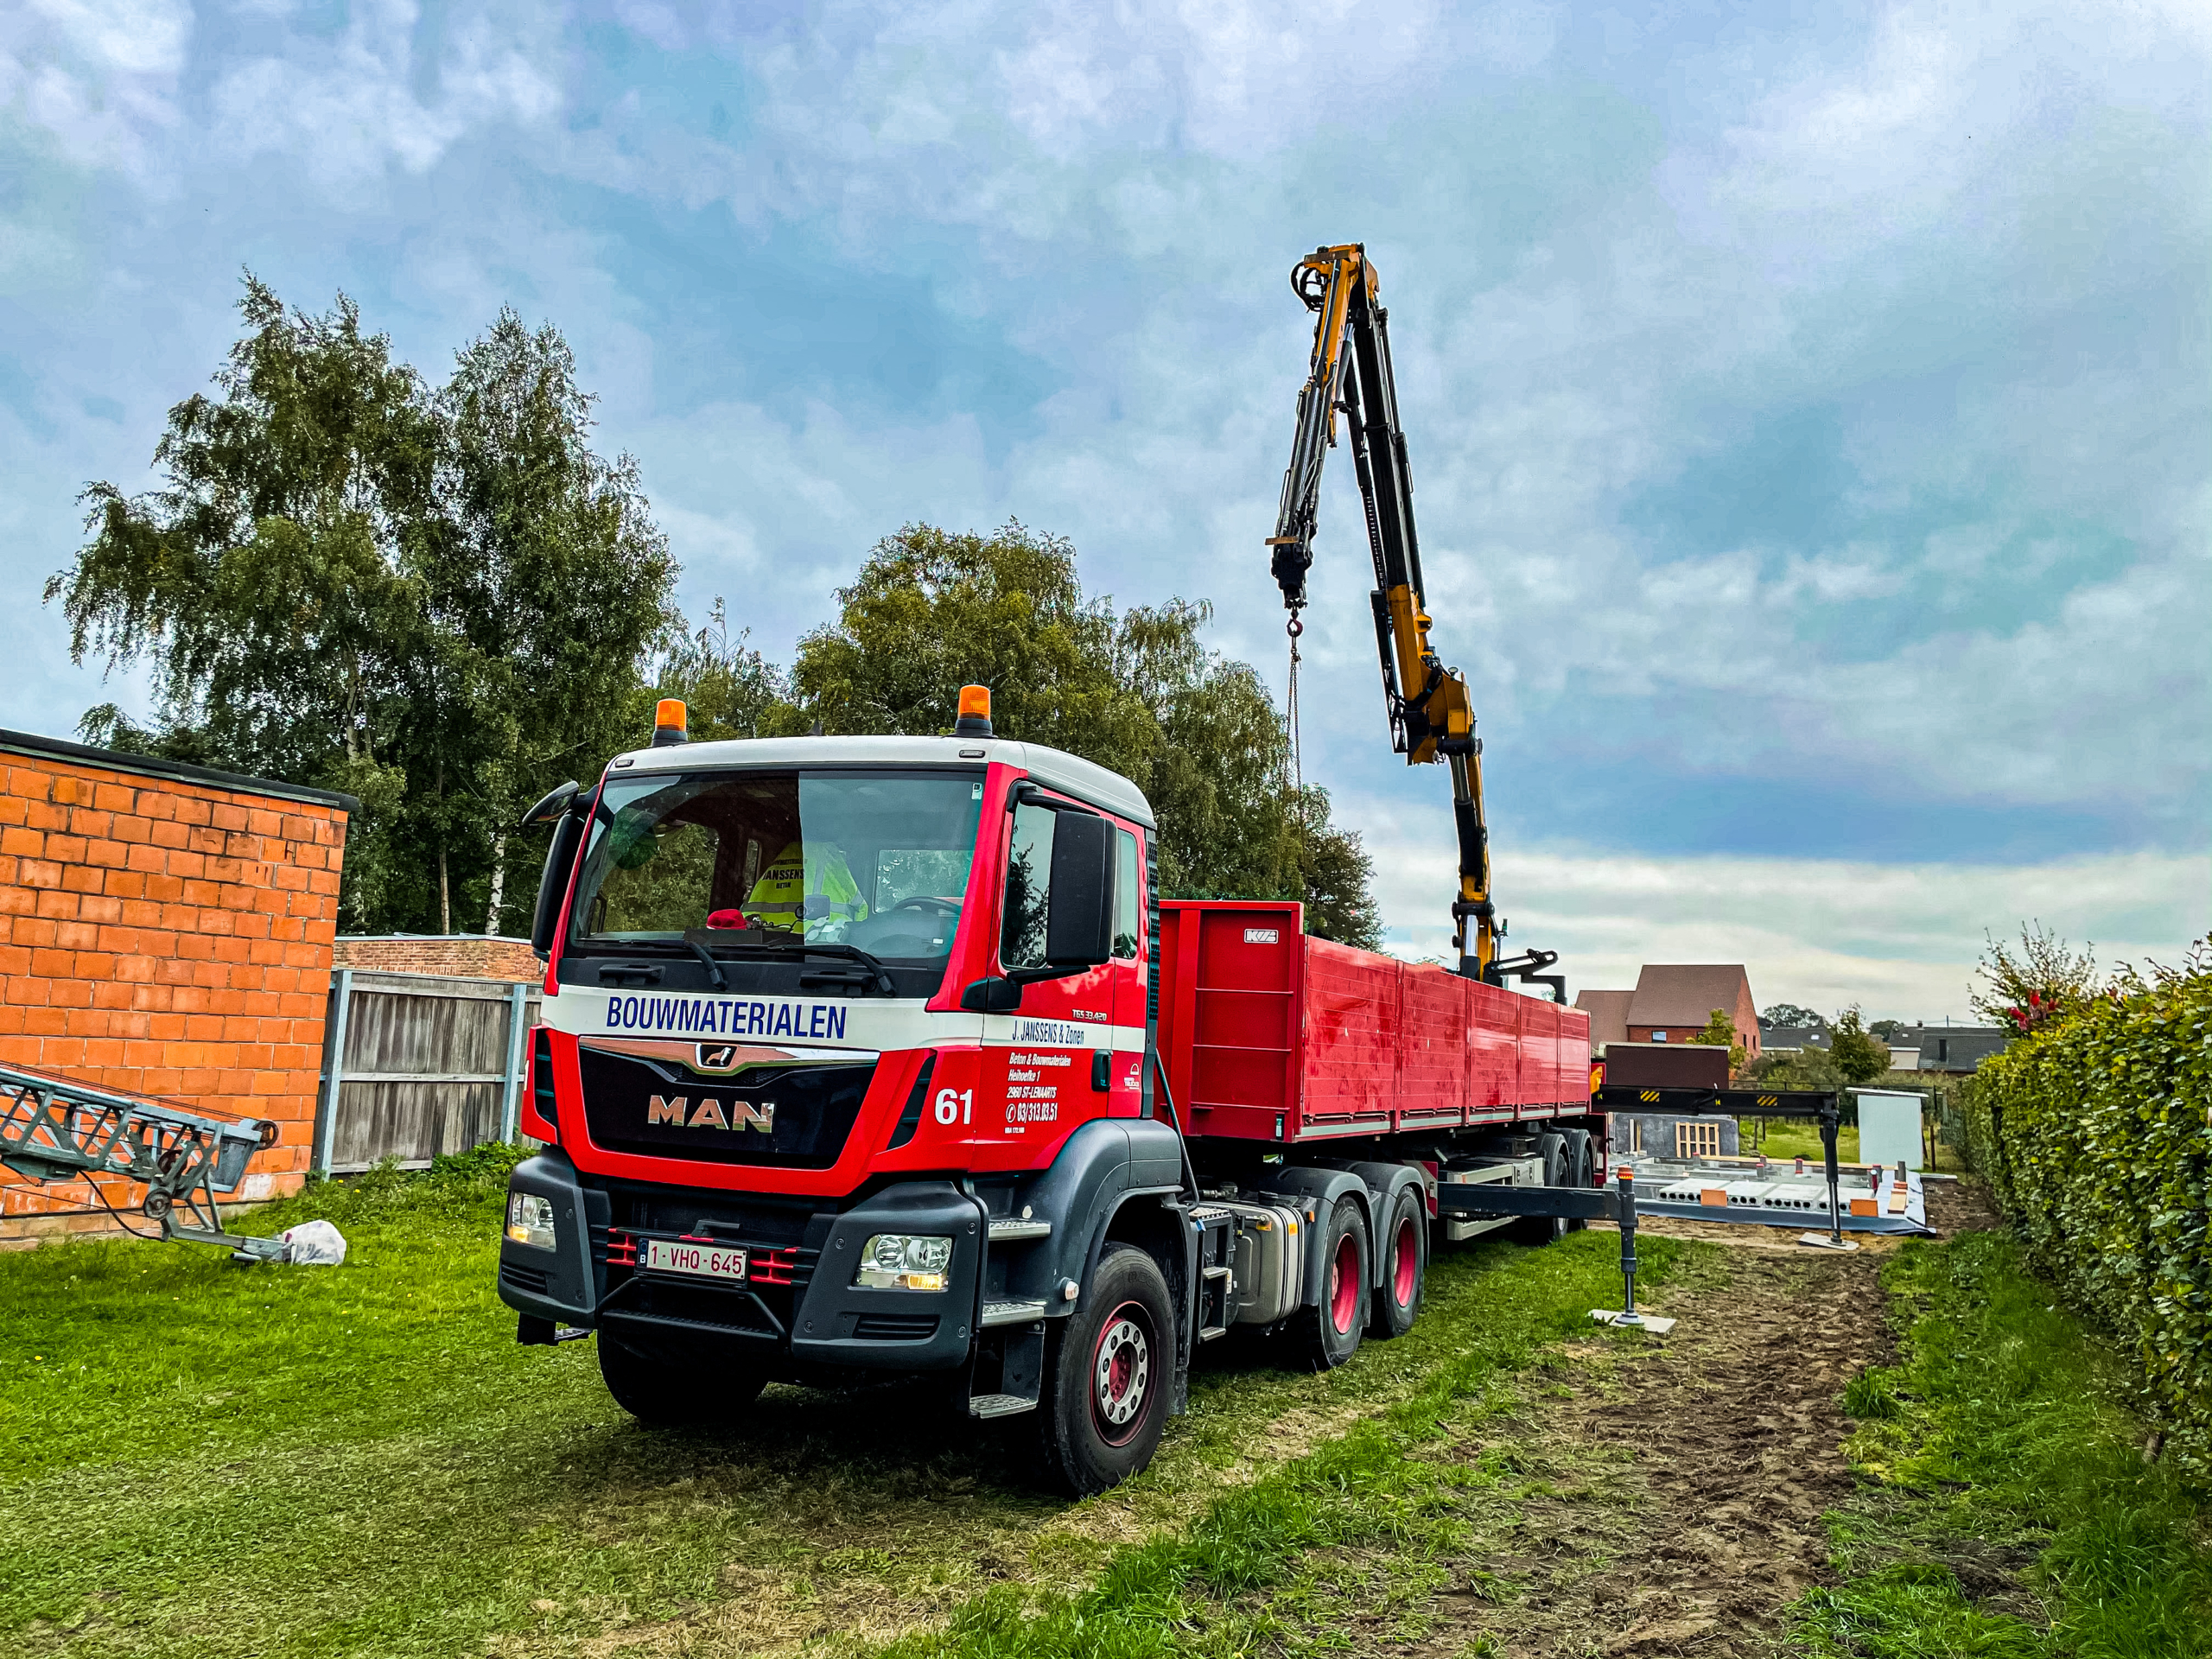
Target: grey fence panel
[(418, 1065)]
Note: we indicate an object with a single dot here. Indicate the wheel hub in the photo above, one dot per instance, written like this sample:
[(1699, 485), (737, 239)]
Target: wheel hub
[(1121, 1375)]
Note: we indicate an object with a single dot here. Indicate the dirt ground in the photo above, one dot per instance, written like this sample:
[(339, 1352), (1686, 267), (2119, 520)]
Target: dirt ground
[(1680, 1484)]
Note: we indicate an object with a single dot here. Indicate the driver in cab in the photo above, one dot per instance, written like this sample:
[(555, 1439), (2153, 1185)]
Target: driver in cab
[(807, 890)]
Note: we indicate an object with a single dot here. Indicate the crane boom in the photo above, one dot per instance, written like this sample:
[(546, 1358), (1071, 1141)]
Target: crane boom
[(1432, 716)]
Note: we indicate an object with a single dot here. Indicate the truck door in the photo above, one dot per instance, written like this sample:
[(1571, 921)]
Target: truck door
[(1056, 1077), (1130, 968)]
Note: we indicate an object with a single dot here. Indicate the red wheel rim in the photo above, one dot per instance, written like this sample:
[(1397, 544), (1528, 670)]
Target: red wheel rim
[(1406, 1266), (1343, 1285), (1121, 1374)]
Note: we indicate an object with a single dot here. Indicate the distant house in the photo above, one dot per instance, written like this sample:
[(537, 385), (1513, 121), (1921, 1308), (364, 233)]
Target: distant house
[(1951, 1048), (1791, 1040), (1671, 1003), (1608, 1012)]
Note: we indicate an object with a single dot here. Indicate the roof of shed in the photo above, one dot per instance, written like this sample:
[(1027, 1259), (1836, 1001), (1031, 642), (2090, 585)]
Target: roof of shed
[(1608, 1012)]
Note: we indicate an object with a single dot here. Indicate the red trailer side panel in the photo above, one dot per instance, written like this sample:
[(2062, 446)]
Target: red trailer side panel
[(1266, 1035)]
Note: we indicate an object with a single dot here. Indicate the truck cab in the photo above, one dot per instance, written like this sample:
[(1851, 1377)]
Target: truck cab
[(844, 1069)]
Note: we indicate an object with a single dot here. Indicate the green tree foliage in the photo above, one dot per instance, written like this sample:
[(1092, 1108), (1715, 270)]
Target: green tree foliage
[(438, 602), (1788, 1016), (1138, 692), (1804, 1068), (1888, 1030), (728, 688), (1858, 1055), (2042, 979), (1720, 1032), (2092, 1132)]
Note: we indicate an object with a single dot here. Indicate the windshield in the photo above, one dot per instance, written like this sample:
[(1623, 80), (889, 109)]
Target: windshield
[(765, 859)]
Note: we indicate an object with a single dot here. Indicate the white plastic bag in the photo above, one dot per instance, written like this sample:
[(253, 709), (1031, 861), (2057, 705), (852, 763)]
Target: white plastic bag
[(315, 1243)]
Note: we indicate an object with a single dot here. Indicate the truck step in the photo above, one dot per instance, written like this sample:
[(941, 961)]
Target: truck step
[(1006, 1230), (1208, 1332), (1012, 1313), (998, 1405), (1213, 1273)]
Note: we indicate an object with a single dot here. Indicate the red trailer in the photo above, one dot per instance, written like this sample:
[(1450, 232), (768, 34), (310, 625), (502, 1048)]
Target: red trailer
[(1266, 1034)]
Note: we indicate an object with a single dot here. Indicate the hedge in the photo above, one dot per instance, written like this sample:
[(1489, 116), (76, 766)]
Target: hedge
[(2095, 1133)]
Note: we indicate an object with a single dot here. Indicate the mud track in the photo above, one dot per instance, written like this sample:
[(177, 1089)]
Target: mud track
[(1677, 1486)]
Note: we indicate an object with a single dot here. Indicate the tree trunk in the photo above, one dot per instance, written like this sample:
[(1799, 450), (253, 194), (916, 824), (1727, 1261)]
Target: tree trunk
[(499, 883), (445, 898)]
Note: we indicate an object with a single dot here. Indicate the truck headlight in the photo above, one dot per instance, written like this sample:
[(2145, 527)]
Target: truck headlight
[(904, 1261), (529, 1220)]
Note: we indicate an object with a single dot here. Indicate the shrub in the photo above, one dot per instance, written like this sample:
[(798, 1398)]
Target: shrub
[(2094, 1132)]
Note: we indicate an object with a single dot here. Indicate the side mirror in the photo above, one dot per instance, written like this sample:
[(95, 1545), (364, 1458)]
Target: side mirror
[(1079, 916), (557, 802), (992, 996), (553, 881)]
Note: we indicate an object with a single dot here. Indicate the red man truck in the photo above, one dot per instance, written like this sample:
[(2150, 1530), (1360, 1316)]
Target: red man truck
[(869, 1055), (977, 1105)]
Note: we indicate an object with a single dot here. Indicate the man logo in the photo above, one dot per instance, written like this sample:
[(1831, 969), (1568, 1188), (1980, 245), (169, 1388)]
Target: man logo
[(709, 1114), (716, 1057)]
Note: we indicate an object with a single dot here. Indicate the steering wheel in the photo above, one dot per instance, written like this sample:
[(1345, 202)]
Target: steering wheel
[(921, 901)]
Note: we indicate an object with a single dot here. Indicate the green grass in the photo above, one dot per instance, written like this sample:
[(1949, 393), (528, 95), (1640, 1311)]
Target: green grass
[(2008, 1511), (200, 1459), (1795, 1138)]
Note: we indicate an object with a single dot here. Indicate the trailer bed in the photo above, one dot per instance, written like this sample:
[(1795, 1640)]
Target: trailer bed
[(1268, 1034)]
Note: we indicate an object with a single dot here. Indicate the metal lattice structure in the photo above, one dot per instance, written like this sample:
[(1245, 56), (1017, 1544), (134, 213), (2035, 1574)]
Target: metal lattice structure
[(55, 1128)]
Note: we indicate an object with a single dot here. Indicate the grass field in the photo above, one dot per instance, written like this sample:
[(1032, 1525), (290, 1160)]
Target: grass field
[(205, 1459)]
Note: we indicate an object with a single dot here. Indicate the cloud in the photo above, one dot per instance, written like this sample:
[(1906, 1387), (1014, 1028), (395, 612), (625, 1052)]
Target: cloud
[(98, 77), (1901, 939)]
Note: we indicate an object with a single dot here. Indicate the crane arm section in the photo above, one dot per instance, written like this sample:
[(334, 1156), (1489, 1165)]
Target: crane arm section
[(1432, 716)]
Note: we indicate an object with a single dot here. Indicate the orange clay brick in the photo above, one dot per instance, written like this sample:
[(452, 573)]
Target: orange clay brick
[(57, 906), (22, 843), (91, 823), (173, 836), (191, 809), (115, 797), (75, 936)]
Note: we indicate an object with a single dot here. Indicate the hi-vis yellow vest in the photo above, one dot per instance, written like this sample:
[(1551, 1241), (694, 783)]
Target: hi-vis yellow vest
[(805, 891)]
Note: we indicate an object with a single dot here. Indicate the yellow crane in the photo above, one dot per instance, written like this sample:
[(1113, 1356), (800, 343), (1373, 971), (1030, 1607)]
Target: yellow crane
[(1432, 716)]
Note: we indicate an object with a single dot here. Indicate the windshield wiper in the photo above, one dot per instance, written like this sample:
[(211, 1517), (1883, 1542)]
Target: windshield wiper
[(715, 977), (879, 976)]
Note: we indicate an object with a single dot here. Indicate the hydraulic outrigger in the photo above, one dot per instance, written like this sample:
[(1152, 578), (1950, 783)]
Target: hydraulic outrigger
[(1432, 716)]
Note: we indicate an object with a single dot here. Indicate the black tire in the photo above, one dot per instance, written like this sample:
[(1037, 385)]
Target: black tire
[(1328, 1333), (1545, 1229), (1107, 1376), (1404, 1277), (1578, 1169), (674, 1395)]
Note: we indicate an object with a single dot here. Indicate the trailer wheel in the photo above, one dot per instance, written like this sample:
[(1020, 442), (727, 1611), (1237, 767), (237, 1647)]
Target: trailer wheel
[(1578, 1165), (1405, 1268), (1332, 1330), (673, 1396), (1547, 1229), (1106, 1380)]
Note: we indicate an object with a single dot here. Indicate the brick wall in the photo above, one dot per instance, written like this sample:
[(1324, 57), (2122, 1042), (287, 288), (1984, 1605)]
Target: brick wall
[(470, 956), (166, 931)]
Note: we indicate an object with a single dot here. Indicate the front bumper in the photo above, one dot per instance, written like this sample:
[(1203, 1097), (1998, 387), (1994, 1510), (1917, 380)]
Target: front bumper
[(801, 1301)]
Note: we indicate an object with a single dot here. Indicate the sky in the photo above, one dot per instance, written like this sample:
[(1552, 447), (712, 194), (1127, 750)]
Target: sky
[(1806, 406)]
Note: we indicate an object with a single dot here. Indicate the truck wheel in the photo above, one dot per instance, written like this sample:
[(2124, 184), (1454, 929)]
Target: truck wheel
[(1545, 1229), (1332, 1330), (673, 1396), (1405, 1267), (1104, 1401)]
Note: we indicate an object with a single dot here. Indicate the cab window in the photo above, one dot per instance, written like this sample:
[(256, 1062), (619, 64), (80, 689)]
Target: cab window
[(1028, 884), (1129, 910)]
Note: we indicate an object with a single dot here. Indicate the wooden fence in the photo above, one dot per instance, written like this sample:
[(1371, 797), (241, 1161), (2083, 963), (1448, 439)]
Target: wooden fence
[(418, 1065)]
